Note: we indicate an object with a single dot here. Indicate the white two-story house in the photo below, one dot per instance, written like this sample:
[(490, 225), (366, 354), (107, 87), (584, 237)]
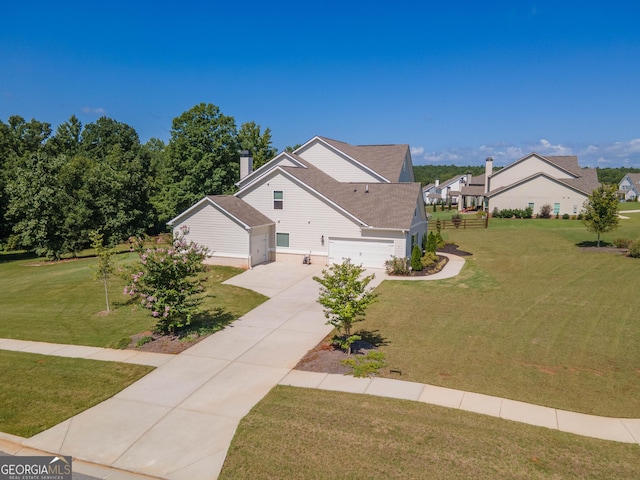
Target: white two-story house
[(325, 201)]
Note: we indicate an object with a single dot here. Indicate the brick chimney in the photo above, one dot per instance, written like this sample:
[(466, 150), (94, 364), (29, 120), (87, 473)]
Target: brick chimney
[(488, 170), (246, 163)]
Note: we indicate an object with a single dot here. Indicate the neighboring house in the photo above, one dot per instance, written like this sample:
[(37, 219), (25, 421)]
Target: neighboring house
[(325, 201), (533, 181), (446, 192), (630, 186)]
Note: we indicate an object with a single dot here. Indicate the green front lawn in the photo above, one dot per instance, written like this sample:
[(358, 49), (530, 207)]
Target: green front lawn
[(40, 391), (299, 433), (532, 317), (59, 302)]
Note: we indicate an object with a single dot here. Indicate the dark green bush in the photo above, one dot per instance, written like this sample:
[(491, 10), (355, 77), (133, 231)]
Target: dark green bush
[(416, 253), (566, 216), (432, 243)]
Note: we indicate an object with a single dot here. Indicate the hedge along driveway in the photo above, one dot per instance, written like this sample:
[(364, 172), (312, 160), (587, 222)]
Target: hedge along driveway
[(532, 317)]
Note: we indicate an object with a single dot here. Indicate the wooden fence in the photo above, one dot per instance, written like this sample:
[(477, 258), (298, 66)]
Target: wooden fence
[(473, 222)]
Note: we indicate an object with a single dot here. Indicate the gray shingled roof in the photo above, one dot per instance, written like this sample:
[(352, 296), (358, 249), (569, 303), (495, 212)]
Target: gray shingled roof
[(241, 210), (386, 160), (475, 190), (363, 200), (634, 177), (567, 162), (585, 184)]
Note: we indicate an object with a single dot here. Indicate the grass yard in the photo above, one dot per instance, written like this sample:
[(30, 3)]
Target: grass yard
[(59, 302), (40, 391), (299, 433), (532, 317)]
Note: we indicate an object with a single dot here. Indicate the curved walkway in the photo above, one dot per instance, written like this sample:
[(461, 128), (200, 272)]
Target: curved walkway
[(178, 421)]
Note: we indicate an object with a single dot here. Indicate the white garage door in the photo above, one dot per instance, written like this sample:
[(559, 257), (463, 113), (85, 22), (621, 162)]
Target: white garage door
[(368, 253), (258, 249)]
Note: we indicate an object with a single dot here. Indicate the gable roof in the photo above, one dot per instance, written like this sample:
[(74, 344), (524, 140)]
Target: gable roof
[(360, 201), (567, 163), (584, 185), (451, 181), (385, 160), (634, 177), (239, 210)]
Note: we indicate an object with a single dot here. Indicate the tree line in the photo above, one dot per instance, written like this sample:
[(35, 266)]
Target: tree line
[(57, 188)]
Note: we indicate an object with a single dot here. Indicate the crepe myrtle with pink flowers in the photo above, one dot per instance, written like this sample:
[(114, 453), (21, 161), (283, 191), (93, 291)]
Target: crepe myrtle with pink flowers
[(167, 281)]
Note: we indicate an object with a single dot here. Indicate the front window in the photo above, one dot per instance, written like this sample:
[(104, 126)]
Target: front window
[(556, 208), (277, 200)]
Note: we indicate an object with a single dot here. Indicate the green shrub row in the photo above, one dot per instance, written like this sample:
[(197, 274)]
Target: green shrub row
[(512, 213)]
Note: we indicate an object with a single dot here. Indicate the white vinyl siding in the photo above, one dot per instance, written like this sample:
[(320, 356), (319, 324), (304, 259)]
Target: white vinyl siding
[(213, 229), (306, 217), (406, 175), (527, 167), (337, 166)]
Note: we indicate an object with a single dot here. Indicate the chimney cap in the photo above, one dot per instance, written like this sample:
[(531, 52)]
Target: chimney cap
[(489, 159), (245, 153)]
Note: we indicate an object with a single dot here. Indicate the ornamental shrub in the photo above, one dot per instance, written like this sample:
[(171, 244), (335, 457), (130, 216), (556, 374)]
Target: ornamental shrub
[(432, 243), (168, 281), (622, 242), (428, 259), (545, 211), (416, 253), (397, 266), (634, 248)]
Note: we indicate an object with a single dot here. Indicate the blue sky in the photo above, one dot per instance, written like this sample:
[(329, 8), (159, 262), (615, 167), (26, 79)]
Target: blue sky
[(458, 81)]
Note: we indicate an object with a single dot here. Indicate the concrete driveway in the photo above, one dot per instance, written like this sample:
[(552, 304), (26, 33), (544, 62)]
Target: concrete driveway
[(178, 421)]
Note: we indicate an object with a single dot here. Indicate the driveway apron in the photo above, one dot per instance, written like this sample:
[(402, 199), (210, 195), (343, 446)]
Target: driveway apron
[(178, 421)]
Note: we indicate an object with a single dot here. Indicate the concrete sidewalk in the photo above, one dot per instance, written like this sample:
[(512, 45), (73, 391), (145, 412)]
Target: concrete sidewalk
[(91, 353), (625, 430), (178, 421)]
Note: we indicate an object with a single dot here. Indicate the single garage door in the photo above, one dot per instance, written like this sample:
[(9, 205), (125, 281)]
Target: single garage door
[(368, 253), (258, 249)]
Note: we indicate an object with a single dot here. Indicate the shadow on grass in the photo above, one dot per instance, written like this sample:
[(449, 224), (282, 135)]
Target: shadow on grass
[(373, 337), (12, 257), (594, 243), (207, 323)]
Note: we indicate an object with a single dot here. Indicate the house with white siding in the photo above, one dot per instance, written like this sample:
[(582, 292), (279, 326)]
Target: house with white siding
[(533, 181), (630, 186), (324, 202)]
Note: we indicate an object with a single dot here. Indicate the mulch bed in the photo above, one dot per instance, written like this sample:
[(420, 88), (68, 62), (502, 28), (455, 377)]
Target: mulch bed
[(325, 358), (162, 343)]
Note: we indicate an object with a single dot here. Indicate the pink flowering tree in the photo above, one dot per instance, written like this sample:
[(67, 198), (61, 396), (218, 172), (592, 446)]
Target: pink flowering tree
[(168, 281)]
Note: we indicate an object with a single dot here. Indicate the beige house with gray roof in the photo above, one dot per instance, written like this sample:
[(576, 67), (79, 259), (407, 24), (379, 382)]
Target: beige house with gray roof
[(326, 201), (533, 181)]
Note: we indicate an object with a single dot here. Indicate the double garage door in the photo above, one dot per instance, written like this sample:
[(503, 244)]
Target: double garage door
[(368, 253)]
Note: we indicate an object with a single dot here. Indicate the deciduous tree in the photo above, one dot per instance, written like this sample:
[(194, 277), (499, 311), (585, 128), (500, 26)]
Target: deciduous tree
[(345, 296), (259, 144), (600, 210), (167, 281), (203, 158)]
